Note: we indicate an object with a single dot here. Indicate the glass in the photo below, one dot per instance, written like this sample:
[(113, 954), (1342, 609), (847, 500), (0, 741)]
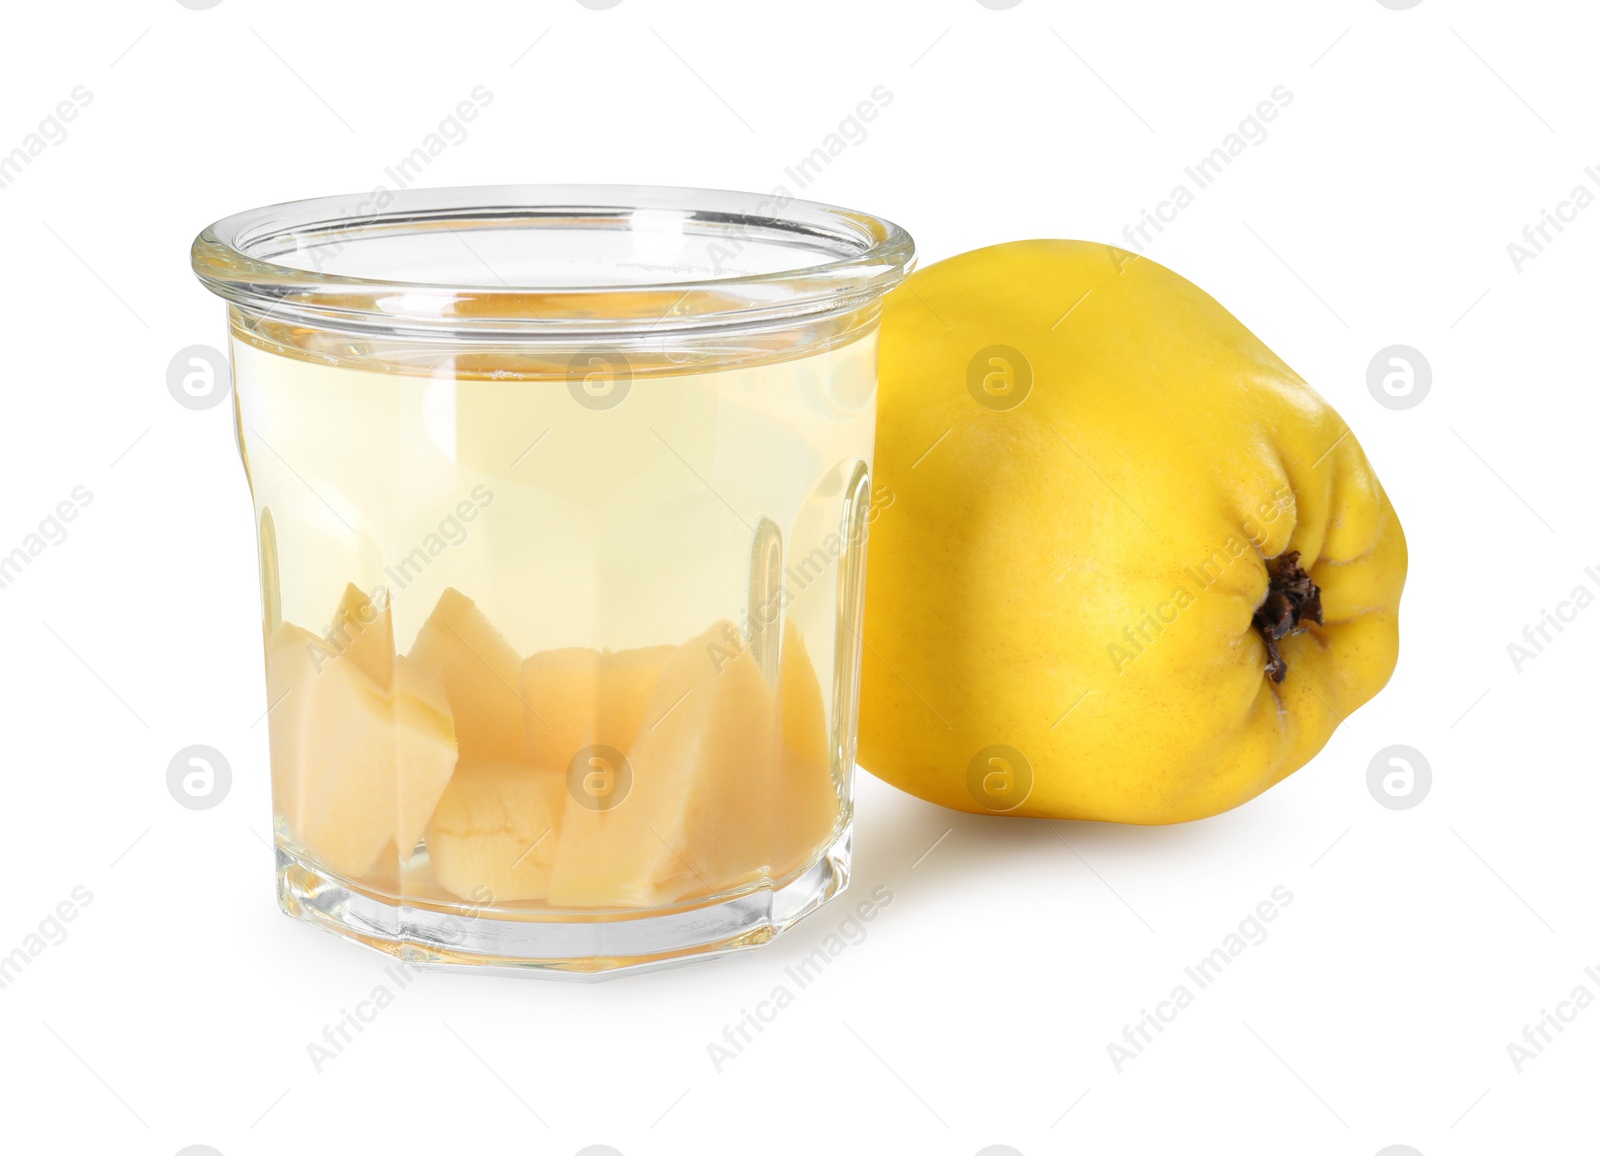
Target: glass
[(561, 497)]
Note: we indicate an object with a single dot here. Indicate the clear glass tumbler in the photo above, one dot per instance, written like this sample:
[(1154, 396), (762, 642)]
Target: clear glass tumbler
[(561, 495)]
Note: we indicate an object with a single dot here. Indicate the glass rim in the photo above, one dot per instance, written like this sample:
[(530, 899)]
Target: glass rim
[(860, 257)]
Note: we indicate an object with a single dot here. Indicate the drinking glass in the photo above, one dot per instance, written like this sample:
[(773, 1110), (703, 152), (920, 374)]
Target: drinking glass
[(561, 496)]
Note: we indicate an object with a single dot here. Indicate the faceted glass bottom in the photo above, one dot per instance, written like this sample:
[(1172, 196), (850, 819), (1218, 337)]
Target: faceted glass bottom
[(563, 945)]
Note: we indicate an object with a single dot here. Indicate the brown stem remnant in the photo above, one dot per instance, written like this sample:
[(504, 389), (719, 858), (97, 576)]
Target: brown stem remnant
[(1292, 598)]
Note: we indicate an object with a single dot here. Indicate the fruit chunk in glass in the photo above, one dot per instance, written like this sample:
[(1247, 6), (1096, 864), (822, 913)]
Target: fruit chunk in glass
[(686, 774)]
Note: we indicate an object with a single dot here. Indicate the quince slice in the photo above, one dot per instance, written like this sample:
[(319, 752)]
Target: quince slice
[(711, 798), (480, 673), (365, 635), (493, 836), (579, 697), (354, 766)]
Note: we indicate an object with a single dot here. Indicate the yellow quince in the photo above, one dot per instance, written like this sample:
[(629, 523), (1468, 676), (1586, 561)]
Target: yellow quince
[(1135, 569)]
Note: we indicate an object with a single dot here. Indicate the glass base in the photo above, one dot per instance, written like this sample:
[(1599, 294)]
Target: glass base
[(562, 945)]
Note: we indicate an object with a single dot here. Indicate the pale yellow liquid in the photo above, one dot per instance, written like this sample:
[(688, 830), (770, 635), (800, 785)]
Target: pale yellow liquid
[(569, 526)]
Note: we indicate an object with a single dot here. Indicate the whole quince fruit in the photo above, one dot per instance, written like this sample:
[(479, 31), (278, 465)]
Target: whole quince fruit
[(1134, 568)]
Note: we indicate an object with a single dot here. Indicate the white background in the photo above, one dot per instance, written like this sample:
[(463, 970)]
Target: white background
[(978, 1009)]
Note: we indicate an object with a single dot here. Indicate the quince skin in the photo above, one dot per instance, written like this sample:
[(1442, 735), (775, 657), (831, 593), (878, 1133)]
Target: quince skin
[(1136, 569)]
